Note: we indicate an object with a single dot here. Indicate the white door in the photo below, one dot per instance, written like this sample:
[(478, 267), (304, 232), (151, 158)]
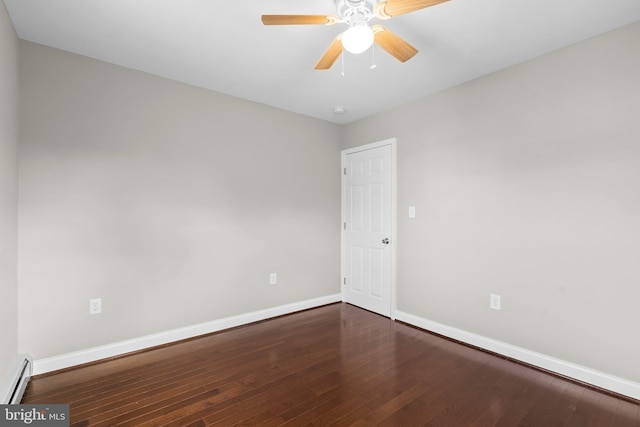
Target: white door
[(367, 227)]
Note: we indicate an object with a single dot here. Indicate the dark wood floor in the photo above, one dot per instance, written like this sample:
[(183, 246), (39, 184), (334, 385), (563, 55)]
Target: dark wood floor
[(335, 365)]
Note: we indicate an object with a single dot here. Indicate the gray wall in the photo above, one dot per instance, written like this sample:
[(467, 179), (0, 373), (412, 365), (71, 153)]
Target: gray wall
[(527, 184), (171, 203), (9, 109)]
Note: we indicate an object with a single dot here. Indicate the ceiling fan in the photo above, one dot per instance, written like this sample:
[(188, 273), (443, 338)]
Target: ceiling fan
[(359, 36)]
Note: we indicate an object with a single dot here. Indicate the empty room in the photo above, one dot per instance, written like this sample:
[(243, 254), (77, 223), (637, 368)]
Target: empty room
[(328, 212)]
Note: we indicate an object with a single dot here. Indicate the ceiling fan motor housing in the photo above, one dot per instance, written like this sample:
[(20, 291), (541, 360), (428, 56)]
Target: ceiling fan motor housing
[(348, 9)]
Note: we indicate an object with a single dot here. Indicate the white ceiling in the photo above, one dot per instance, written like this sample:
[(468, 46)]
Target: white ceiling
[(223, 46)]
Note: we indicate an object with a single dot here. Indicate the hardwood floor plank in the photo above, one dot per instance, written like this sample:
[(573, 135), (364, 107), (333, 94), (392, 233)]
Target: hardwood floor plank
[(334, 365), (626, 415), (272, 396), (516, 395)]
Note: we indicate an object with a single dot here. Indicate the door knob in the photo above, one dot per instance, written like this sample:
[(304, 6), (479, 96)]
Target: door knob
[(385, 240)]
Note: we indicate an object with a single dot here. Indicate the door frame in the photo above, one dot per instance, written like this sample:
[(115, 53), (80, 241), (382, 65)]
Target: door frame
[(343, 206)]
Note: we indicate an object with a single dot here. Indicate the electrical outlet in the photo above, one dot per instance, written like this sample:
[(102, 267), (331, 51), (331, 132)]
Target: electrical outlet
[(95, 306), (494, 301), (412, 211), (273, 279)]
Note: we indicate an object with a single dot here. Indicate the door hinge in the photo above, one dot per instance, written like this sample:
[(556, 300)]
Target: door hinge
[(344, 281), (345, 171), (344, 226)]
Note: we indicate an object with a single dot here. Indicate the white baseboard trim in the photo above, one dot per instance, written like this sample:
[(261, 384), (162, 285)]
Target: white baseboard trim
[(63, 361), (562, 367)]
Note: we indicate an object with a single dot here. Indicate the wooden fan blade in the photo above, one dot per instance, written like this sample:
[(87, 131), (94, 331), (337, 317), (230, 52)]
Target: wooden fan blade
[(393, 44), (299, 19), (392, 8), (331, 55)]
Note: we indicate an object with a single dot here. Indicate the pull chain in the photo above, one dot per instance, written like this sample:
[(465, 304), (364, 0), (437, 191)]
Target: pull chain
[(373, 57)]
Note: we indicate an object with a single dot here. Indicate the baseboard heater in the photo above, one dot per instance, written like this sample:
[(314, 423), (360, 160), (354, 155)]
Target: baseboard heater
[(19, 379)]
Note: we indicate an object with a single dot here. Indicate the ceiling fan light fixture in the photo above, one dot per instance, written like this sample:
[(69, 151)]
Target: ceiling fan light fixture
[(358, 38)]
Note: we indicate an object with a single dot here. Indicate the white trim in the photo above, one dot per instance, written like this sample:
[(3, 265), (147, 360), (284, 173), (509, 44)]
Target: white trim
[(394, 226), (562, 367), (394, 212), (62, 361)]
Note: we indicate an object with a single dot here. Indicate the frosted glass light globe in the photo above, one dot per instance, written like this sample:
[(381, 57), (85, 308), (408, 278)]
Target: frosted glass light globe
[(358, 38)]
